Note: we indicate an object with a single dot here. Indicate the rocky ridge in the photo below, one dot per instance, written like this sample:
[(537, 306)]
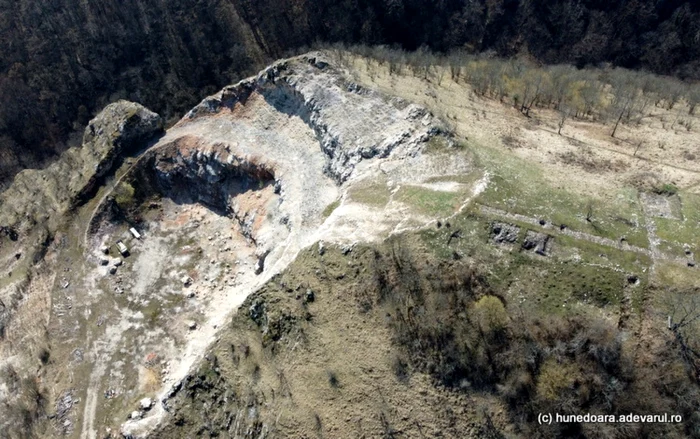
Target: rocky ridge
[(43, 196), (326, 104)]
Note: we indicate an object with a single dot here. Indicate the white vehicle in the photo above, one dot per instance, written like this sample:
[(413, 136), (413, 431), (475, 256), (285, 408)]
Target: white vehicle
[(134, 232)]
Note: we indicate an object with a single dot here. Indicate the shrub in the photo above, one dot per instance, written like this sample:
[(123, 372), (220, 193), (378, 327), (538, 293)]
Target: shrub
[(666, 189), (490, 314), (554, 378), (124, 195)]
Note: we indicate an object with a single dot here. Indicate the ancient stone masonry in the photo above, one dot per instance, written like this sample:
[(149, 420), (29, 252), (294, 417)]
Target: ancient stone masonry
[(503, 233)]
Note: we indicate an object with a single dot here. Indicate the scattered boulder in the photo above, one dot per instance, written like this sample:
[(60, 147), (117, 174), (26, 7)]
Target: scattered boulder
[(9, 232), (310, 296), (257, 311), (135, 415), (4, 319), (321, 248), (346, 249), (259, 266), (113, 270), (118, 263), (539, 242), (186, 281), (104, 262), (504, 233), (146, 404), (260, 263), (104, 249), (191, 325)]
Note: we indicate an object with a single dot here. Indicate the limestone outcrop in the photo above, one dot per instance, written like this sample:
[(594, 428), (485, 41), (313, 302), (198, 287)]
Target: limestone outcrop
[(43, 196)]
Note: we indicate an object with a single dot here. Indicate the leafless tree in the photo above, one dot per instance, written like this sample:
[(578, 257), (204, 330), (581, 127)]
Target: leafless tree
[(625, 90), (564, 114), (684, 322), (693, 98)]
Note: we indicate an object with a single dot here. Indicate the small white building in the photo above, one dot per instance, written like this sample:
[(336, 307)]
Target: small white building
[(123, 249), (134, 232)]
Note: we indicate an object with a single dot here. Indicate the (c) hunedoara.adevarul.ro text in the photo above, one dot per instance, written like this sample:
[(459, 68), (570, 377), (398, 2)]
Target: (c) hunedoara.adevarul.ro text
[(665, 418)]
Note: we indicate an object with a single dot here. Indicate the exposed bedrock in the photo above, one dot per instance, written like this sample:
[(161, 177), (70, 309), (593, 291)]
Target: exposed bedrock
[(212, 177), (296, 133), (350, 123)]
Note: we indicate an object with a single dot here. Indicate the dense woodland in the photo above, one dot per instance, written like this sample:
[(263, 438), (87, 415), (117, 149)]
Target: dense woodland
[(64, 60)]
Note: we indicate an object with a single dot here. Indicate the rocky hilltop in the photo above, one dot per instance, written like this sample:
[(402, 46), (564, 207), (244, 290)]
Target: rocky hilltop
[(246, 180), (307, 254), (61, 65)]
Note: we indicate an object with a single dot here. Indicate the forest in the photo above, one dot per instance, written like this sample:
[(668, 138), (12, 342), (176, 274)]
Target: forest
[(62, 61)]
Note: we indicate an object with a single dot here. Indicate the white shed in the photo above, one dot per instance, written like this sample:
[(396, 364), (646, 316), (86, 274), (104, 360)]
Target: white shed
[(134, 232), (123, 249)]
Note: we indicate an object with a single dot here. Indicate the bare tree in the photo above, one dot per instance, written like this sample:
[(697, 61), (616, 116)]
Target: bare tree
[(693, 98), (625, 91), (564, 113), (534, 82), (673, 92), (684, 322), (456, 61), (561, 83)]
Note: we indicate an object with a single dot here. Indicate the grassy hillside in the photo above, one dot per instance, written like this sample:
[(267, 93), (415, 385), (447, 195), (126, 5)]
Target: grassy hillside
[(417, 336)]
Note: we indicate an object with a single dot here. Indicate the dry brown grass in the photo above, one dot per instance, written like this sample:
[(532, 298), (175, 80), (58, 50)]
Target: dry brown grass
[(650, 144), (149, 380)]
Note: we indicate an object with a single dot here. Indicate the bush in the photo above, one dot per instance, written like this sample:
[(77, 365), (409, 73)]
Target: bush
[(490, 314), (124, 195), (555, 378), (667, 189)]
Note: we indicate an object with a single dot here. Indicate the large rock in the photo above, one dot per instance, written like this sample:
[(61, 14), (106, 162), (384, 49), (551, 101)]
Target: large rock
[(537, 241)]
